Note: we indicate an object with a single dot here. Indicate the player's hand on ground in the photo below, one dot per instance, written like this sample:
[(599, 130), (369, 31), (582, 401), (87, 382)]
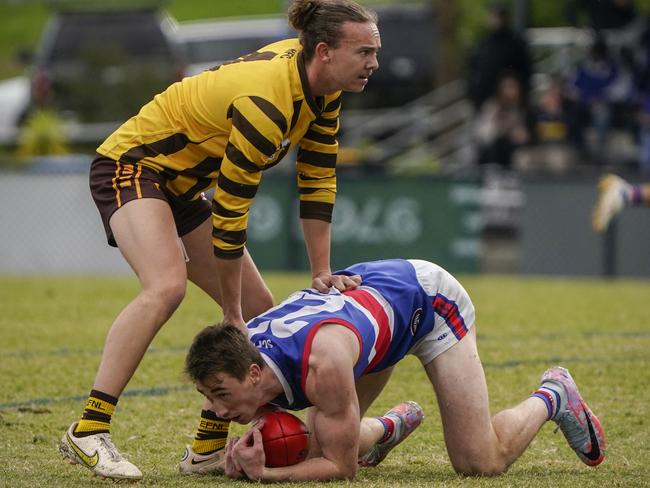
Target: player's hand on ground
[(324, 281), (248, 454), (232, 468)]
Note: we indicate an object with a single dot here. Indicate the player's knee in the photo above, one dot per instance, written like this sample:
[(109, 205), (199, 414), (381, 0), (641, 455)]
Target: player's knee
[(167, 294), (479, 465)]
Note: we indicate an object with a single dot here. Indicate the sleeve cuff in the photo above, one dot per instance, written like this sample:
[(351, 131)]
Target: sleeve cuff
[(233, 254), (316, 210)]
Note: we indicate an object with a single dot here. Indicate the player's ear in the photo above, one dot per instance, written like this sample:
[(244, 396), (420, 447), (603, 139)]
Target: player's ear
[(254, 373), (322, 52)]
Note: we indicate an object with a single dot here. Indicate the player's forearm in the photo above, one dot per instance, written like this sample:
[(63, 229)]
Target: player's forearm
[(315, 469), (229, 278), (317, 240)]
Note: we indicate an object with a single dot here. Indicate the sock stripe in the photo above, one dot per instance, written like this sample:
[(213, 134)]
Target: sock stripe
[(92, 426), (557, 400), (211, 434), (548, 401), (208, 425), (551, 397), (100, 395), (203, 435), (389, 428), (96, 418), (208, 446)]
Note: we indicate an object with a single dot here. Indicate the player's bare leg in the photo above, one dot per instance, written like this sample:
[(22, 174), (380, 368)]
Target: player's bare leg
[(377, 435), (478, 444), (205, 455), (370, 386), (202, 270), (146, 235)]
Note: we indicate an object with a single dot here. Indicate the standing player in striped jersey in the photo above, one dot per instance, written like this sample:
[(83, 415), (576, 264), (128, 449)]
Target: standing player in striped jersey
[(334, 352), (218, 130)]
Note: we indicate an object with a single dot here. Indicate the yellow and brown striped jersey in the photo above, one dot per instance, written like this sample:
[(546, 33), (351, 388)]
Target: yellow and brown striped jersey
[(223, 127)]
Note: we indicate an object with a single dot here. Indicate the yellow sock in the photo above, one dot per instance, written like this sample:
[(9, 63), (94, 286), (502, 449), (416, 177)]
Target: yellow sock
[(211, 434), (96, 418)]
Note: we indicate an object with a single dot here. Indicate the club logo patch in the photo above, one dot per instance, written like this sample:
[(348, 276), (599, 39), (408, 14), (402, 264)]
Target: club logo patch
[(415, 320), (278, 150)]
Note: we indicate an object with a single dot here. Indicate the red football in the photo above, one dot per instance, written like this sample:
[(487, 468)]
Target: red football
[(285, 438)]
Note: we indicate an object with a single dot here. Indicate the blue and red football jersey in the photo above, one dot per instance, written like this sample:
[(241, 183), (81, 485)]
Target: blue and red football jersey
[(390, 312)]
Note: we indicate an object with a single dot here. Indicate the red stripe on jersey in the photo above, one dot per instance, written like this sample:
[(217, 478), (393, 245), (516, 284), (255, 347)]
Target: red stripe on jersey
[(448, 310), (310, 339), (370, 303)]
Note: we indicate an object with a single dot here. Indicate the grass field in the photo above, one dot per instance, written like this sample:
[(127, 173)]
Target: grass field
[(52, 332)]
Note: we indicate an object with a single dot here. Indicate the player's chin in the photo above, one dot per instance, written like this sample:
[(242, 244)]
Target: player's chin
[(241, 419), (357, 86)]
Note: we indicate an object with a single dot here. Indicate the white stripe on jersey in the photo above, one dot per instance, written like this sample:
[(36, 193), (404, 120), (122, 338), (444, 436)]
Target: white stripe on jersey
[(388, 310), (288, 392)]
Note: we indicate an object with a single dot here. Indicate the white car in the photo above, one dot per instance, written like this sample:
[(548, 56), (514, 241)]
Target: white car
[(209, 43)]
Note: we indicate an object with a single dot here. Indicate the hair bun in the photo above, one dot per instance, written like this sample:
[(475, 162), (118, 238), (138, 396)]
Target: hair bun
[(302, 12)]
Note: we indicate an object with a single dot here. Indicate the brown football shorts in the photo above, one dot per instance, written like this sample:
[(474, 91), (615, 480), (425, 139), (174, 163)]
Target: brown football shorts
[(112, 184)]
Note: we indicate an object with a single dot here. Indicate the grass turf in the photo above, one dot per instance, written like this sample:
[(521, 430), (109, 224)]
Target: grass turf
[(52, 332)]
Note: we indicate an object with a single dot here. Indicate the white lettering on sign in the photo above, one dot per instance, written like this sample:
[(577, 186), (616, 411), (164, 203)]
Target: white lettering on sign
[(377, 220)]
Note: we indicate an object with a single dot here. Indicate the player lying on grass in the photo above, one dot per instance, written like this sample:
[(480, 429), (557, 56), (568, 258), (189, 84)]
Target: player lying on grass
[(335, 352)]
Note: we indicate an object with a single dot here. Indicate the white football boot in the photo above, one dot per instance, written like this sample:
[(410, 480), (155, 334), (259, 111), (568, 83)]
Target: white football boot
[(193, 463), (97, 453)]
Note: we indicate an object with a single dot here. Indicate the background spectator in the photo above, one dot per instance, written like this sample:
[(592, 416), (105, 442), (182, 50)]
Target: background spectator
[(501, 125), (499, 51), (589, 91), (552, 148)]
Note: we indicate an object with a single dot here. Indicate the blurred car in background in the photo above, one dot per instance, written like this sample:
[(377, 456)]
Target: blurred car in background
[(101, 64), (208, 43)]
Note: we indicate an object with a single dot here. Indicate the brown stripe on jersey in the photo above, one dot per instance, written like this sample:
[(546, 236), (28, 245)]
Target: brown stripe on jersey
[(322, 160), (238, 159), (304, 81), (221, 211), (233, 237), (256, 56), (323, 122), (259, 56), (201, 172), (316, 210), (312, 135), (333, 105), (297, 105), (271, 112), (169, 174), (304, 177), (236, 189), (168, 145), (248, 130)]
